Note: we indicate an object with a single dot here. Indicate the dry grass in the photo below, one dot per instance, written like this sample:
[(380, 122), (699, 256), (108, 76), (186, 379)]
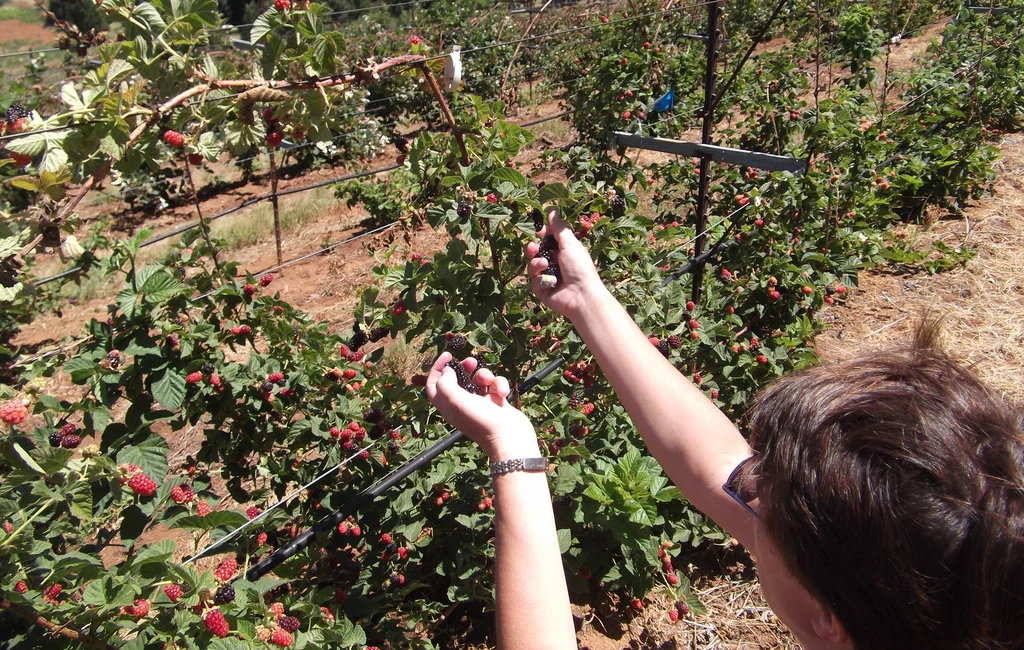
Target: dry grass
[(980, 304)]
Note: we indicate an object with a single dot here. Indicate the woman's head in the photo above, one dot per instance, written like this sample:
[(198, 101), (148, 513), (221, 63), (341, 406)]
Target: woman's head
[(893, 488)]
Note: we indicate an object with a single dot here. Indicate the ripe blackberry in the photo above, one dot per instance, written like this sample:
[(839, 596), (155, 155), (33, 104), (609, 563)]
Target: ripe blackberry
[(460, 372), (464, 210), (393, 446), (289, 624), (548, 248), (15, 112), (538, 218), (457, 342), (618, 206), (373, 415), (377, 333), (114, 357), (224, 594), (829, 289), (402, 144), (267, 386), (377, 431), (575, 400), (209, 369), (472, 387), (663, 347), (55, 438), (359, 338)]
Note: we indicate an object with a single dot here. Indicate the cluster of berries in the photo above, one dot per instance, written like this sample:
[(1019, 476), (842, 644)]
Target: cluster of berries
[(443, 494), (241, 330), (14, 412), (465, 381), (139, 483), (282, 5), (274, 134), (17, 119), (587, 223), (548, 250), (349, 527), (486, 502), (679, 610), (350, 436), (581, 372), (182, 494), (391, 549)]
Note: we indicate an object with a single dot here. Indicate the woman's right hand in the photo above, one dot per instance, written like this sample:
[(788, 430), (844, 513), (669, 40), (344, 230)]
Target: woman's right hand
[(580, 284)]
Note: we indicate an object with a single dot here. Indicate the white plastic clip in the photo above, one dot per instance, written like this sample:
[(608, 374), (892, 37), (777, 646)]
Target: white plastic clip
[(453, 69)]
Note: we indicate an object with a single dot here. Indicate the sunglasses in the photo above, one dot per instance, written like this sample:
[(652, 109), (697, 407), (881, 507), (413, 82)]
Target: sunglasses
[(741, 491)]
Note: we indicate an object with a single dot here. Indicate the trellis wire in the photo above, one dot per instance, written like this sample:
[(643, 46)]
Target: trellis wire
[(285, 499), (369, 494)]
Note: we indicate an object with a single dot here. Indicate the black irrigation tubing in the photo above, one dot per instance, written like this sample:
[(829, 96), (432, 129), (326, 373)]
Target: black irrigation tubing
[(756, 41), (331, 521), (285, 499)]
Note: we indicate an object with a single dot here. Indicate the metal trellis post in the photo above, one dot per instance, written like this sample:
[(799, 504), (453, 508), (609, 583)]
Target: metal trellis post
[(714, 16)]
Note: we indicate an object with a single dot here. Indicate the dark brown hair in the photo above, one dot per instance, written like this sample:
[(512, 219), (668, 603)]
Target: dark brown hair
[(893, 486)]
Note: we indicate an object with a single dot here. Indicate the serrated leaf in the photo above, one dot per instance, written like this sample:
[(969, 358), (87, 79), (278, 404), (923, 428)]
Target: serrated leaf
[(554, 192), (261, 26), (30, 144), (169, 390), (564, 540), (109, 147), (118, 68), (25, 183), (223, 519), (69, 96), (150, 454), (55, 159)]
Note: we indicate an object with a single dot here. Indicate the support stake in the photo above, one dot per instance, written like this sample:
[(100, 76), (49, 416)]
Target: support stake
[(273, 201), (714, 13)]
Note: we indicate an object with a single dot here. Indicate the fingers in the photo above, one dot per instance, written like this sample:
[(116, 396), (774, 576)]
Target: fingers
[(435, 374), (499, 390), (483, 378)]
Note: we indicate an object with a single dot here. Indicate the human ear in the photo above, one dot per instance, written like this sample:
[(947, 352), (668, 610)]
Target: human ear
[(827, 626)]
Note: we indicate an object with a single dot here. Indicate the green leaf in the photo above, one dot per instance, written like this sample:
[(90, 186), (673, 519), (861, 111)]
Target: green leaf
[(261, 27), (30, 144), (160, 551), (223, 519), (564, 540), (150, 454), (24, 460), (169, 390), (554, 192), (70, 97)]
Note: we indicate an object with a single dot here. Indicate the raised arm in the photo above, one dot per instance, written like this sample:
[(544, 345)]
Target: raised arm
[(696, 444), (532, 601)]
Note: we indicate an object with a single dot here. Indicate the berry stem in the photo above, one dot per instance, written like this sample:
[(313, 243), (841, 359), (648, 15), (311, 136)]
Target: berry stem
[(32, 616), (445, 110), (204, 226), (43, 508), (273, 201)]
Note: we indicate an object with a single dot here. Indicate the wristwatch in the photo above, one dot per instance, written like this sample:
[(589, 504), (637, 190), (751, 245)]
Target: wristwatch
[(519, 465)]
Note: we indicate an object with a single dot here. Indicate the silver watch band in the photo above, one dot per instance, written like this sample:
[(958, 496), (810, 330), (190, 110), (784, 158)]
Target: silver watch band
[(519, 465)]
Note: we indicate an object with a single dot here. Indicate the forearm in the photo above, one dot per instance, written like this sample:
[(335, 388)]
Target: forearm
[(532, 599), (694, 441)]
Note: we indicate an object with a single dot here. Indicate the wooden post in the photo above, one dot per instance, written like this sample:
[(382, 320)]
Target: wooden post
[(273, 201)]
